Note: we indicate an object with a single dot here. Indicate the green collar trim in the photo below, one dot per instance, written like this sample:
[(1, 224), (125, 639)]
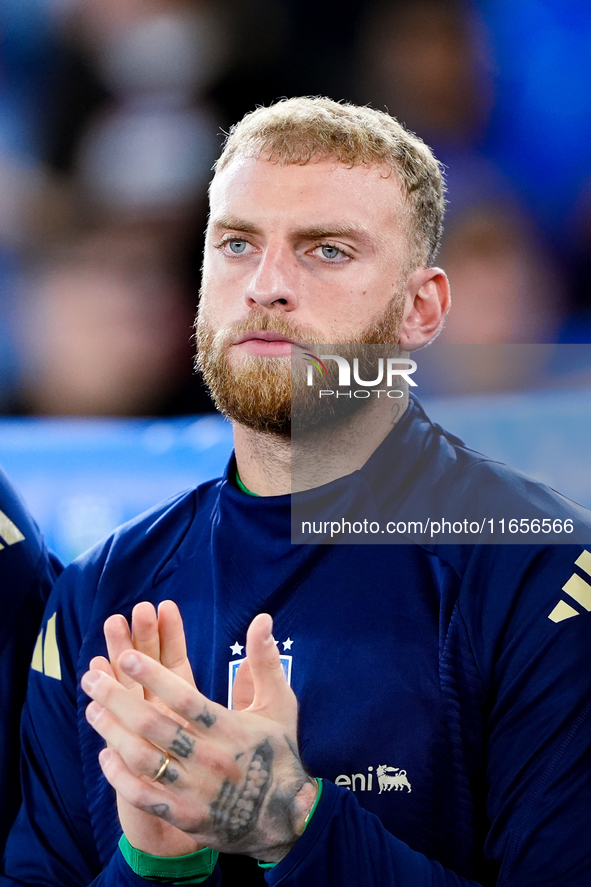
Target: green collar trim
[(244, 488)]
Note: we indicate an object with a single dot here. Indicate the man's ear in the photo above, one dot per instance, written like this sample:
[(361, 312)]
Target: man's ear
[(427, 302)]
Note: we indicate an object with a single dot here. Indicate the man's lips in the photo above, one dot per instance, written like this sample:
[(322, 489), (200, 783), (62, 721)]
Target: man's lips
[(266, 342), (265, 336)]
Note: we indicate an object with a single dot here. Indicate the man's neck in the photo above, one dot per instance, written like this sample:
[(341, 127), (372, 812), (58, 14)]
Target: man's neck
[(273, 465)]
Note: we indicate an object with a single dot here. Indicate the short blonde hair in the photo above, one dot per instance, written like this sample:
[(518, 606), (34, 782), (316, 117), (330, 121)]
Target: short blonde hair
[(304, 130)]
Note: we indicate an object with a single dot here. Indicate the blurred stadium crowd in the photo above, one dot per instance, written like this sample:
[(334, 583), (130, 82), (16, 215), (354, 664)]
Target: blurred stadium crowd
[(111, 114)]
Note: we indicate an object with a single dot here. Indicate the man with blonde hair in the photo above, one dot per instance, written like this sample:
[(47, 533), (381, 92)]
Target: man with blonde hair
[(442, 723)]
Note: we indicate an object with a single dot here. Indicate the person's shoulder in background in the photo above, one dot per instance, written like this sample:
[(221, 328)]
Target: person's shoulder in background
[(27, 573)]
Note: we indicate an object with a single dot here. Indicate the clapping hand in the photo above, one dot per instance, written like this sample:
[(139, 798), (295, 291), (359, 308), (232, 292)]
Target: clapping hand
[(160, 636), (233, 780)]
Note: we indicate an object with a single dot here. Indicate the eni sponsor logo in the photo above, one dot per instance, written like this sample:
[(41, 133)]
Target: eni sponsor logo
[(384, 779)]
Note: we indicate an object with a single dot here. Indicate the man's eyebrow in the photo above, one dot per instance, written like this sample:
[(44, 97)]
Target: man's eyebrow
[(329, 232), (316, 232), (230, 223)]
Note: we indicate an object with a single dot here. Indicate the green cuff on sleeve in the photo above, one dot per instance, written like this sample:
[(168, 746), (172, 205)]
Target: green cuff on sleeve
[(194, 868)]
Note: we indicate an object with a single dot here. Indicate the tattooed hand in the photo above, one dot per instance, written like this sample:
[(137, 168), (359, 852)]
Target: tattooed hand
[(235, 781), (160, 636)]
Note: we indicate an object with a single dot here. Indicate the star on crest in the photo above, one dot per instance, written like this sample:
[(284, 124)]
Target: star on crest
[(287, 644), (237, 649)]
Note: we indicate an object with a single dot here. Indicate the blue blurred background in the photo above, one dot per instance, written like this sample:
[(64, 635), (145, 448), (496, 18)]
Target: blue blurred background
[(83, 477), (111, 114)]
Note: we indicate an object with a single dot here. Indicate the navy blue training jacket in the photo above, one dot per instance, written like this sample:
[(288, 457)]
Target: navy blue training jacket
[(444, 689)]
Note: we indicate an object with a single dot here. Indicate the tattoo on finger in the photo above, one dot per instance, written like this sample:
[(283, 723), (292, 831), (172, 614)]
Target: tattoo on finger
[(160, 810), (206, 718), (183, 745)]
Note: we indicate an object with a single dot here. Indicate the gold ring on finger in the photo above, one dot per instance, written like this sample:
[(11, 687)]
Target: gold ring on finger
[(162, 768)]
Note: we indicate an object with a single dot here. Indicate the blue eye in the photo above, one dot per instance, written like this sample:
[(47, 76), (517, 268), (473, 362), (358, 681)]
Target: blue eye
[(330, 252), (236, 246)]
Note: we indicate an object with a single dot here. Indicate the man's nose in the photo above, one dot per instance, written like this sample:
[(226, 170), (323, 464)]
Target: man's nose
[(273, 282)]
